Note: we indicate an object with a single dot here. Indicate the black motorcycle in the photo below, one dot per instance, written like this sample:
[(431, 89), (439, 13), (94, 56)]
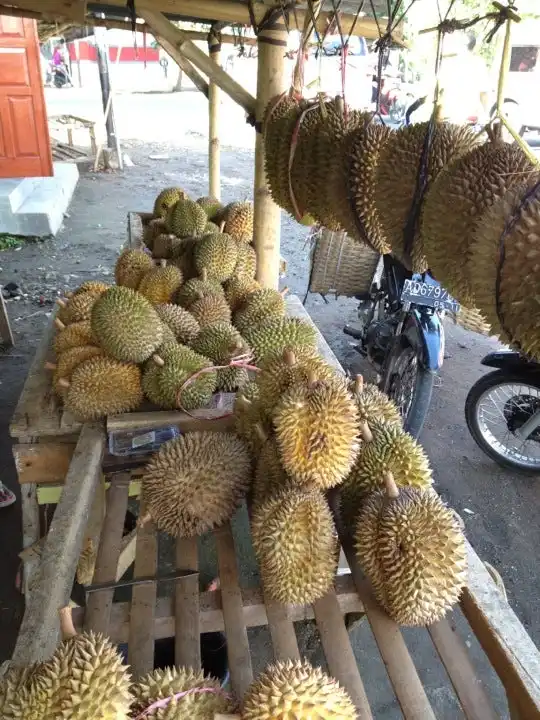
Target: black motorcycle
[(503, 411), (401, 333)]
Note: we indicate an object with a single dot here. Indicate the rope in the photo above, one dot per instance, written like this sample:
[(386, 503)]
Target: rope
[(292, 151), (162, 703)]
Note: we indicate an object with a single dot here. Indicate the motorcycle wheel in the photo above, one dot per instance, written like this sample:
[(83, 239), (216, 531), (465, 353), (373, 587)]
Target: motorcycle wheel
[(520, 397), (410, 386)]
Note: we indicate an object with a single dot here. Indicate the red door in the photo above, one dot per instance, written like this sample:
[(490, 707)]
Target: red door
[(24, 135)]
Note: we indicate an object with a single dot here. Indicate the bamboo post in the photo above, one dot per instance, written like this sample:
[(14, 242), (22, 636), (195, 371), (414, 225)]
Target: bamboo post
[(214, 159), (272, 43)]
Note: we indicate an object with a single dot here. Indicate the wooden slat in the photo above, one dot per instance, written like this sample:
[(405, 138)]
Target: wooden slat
[(339, 653), (187, 647), (204, 419), (233, 613), (143, 603), (511, 651), (99, 605), (43, 463), (282, 630), (468, 686), (39, 630), (31, 534), (399, 665), (6, 336)]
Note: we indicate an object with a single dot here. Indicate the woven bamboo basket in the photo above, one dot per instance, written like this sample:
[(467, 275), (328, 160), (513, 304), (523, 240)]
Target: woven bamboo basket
[(471, 319), (341, 265)]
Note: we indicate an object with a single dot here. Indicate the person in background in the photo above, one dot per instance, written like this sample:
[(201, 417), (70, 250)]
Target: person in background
[(57, 58), (7, 498)]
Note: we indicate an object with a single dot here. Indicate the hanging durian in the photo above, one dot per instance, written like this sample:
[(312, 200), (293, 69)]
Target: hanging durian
[(274, 336), (316, 425), (260, 306), (299, 688), (238, 217), (397, 173), (197, 288), (237, 290), (73, 335), (182, 323), (183, 380), (218, 255), (196, 481), (131, 266), (166, 199), (160, 284), (211, 206), (210, 309), (222, 343), (411, 548), (186, 219)]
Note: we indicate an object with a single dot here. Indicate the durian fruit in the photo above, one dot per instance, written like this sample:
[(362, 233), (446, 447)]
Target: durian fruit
[(237, 290), (275, 335), (155, 227), (517, 317), (160, 284), (210, 228), (222, 343), (166, 199), (163, 246), (251, 421), (185, 379), (238, 217), (182, 256), (373, 404), (270, 476), (397, 171), (73, 335), (186, 219), (92, 286), (69, 360), (316, 424), (278, 373), (202, 697), (365, 149), (412, 549), (182, 323), (79, 307), (210, 310), (246, 264), (126, 325), (18, 696), (217, 254), (296, 545), (102, 386), (259, 306), (196, 288), (295, 689), (130, 268), (195, 482), (211, 206), (469, 186)]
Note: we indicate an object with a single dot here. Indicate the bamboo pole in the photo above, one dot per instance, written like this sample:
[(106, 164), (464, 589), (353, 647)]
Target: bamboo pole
[(267, 215), (214, 151), (184, 65)]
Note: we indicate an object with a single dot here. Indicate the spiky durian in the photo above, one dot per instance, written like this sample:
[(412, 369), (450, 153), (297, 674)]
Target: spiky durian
[(69, 360), (92, 286), (222, 343), (249, 416), (202, 697), (160, 284), (210, 310), (238, 217), (182, 256), (279, 372), (237, 290), (259, 306), (196, 288), (79, 307), (155, 227), (131, 266), (73, 335), (166, 199), (163, 245), (102, 386), (274, 336), (211, 206), (126, 325), (316, 425), (183, 325), (296, 687), (505, 245), (411, 547), (246, 265), (365, 149), (18, 696), (270, 476), (469, 186), (186, 219), (196, 481), (180, 382), (372, 404), (397, 171), (217, 254)]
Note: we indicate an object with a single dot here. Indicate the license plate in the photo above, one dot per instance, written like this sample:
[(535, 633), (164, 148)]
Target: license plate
[(434, 296)]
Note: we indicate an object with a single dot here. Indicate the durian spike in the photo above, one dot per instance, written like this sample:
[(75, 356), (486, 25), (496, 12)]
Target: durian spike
[(64, 383), (158, 360), (61, 303), (204, 274), (284, 291), (289, 357), (50, 366), (392, 489), (144, 520), (359, 384), (59, 324), (66, 623), (261, 433), (365, 431)]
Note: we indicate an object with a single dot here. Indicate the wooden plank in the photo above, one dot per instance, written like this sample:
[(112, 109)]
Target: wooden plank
[(282, 631), (187, 646), (339, 653), (468, 686), (39, 630), (31, 534), (511, 651), (233, 613), (99, 605), (43, 463), (87, 560), (184, 65), (143, 603), (204, 419), (6, 336)]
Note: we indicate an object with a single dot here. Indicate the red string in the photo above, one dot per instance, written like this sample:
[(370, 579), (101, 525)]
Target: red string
[(294, 142), (344, 55)]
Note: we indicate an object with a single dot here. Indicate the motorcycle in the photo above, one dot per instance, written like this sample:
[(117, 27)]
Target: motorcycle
[(400, 332), (58, 76), (502, 411)]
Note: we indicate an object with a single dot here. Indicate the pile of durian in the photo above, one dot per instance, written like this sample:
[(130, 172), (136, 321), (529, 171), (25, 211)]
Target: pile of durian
[(86, 679), (174, 333), (478, 222)]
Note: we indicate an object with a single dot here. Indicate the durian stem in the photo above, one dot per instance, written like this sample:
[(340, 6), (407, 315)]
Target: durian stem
[(69, 295), (261, 432), (204, 274), (64, 383), (50, 366), (365, 431), (222, 226), (284, 291), (359, 384), (144, 520), (158, 360), (163, 262), (59, 324), (392, 489), (66, 623), (289, 357), (61, 303), (312, 377), (243, 400)]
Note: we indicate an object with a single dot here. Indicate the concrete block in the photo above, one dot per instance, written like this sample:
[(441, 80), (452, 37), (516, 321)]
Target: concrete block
[(14, 191)]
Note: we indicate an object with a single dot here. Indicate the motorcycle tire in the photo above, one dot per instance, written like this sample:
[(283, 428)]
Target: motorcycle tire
[(485, 383)]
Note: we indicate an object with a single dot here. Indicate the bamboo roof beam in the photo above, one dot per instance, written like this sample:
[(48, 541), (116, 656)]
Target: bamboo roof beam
[(184, 65)]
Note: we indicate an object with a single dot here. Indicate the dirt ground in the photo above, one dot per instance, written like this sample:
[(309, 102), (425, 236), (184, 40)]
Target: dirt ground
[(499, 508)]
